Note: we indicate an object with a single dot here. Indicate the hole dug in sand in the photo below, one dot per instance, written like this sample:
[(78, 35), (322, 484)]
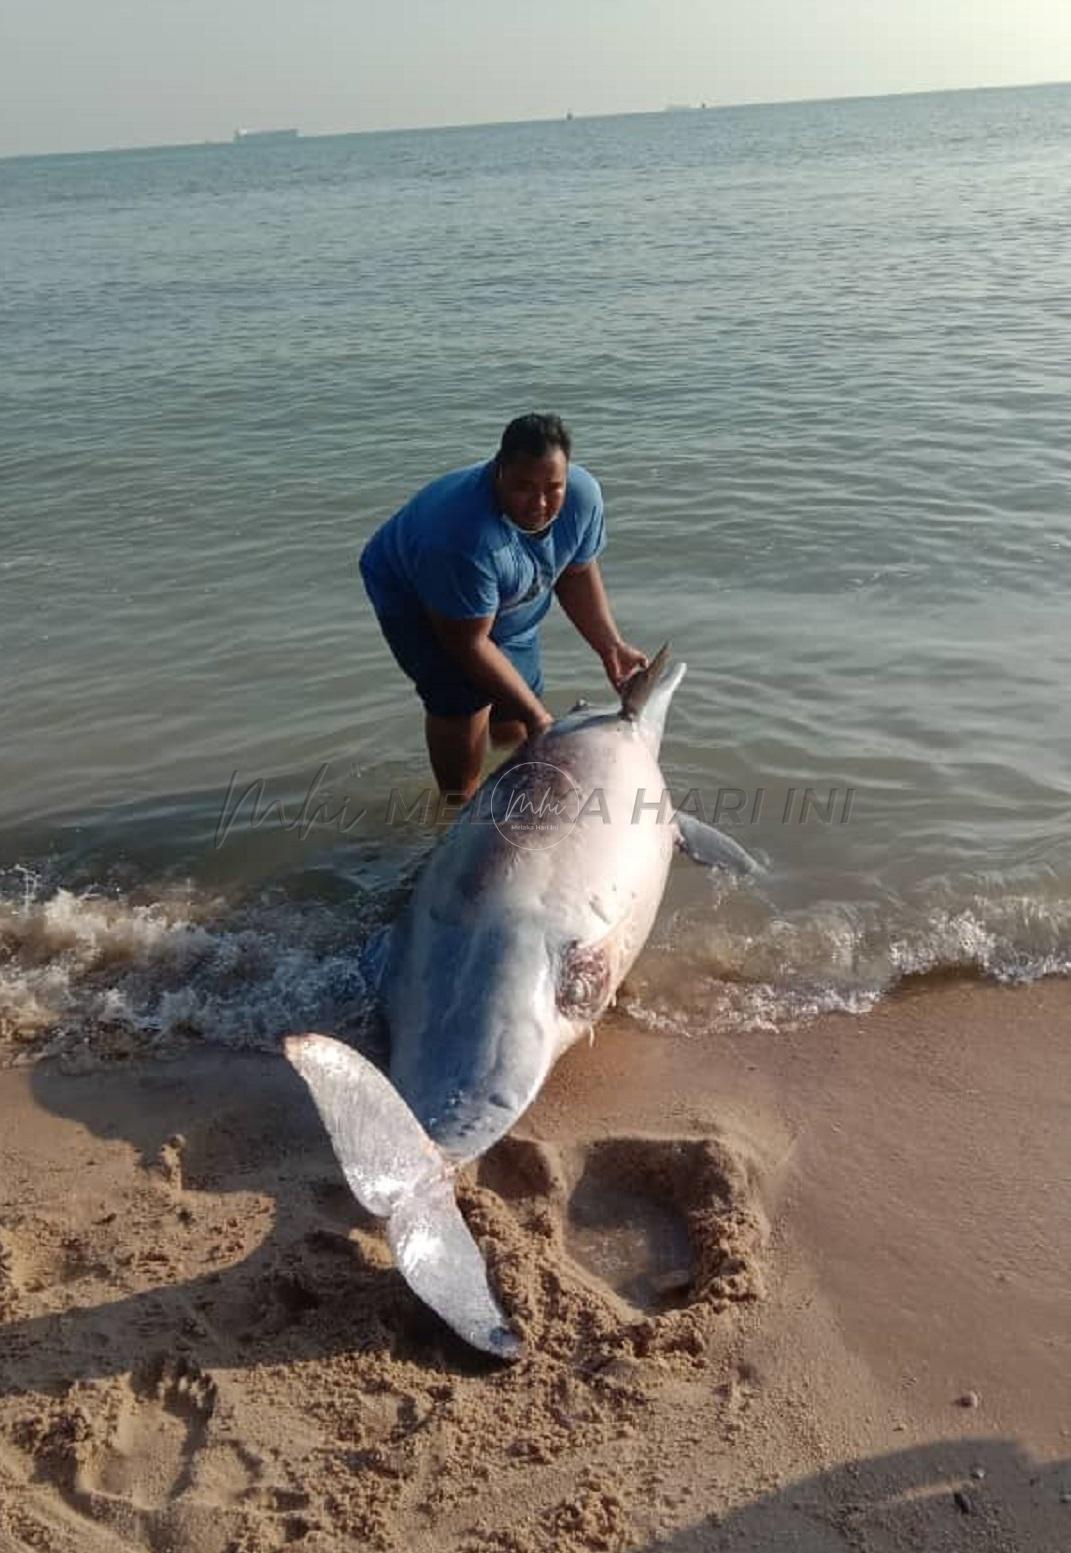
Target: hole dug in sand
[(648, 1226), (663, 1223), (630, 1238)]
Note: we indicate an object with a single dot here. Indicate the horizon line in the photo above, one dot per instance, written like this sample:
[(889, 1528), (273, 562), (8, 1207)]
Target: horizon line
[(567, 116)]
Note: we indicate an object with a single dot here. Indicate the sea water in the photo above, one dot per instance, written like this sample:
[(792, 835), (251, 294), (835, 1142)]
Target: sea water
[(819, 357)]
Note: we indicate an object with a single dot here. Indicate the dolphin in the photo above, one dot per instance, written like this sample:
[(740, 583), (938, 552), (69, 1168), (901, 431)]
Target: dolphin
[(519, 931)]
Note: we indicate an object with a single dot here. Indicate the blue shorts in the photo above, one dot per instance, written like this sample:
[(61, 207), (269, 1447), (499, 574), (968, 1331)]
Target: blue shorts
[(444, 688)]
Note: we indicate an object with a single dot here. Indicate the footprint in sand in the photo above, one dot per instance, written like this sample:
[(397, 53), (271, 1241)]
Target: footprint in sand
[(145, 1457), (160, 1424)]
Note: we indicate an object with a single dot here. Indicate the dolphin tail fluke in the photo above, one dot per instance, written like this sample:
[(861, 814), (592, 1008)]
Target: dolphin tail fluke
[(396, 1172)]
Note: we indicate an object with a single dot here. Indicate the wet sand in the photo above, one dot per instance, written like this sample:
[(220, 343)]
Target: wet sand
[(805, 1290)]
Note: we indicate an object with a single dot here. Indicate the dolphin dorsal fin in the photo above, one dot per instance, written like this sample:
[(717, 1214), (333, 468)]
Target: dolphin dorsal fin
[(638, 687)]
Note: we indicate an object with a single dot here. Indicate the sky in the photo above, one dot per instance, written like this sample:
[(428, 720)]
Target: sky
[(89, 74)]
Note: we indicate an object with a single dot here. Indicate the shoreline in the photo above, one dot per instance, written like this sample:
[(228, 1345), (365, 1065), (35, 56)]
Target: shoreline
[(204, 1346)]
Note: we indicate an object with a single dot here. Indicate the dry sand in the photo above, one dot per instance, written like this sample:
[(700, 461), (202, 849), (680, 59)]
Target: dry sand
[(758, 1276)]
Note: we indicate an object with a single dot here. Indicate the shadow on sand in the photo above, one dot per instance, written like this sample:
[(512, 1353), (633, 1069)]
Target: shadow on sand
[(304, 1290), (254, 1173), (974, 1495)]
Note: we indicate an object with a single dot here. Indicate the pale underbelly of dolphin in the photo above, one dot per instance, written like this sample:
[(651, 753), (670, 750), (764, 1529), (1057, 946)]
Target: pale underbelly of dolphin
[(514, 941)]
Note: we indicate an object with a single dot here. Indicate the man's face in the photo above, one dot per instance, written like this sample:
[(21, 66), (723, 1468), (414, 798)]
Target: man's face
[(531, 491)]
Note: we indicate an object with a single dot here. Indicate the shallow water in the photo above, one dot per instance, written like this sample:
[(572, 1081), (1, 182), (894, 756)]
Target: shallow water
[(816, 354)]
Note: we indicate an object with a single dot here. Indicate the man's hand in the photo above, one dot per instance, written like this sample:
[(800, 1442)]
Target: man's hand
[(537, 721), (469, 643), (621, 661), (582, 595)]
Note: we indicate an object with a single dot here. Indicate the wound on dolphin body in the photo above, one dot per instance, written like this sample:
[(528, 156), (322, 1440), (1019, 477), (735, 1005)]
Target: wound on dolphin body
[(584, 981)]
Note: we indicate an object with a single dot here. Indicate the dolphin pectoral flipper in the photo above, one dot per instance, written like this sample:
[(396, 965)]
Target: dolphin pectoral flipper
[(396, 1172), (703, 844)]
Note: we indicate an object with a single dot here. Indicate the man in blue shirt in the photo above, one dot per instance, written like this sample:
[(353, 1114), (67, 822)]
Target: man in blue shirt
[(461, 577)]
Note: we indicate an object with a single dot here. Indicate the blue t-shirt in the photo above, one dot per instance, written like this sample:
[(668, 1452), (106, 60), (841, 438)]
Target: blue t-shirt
[(451, 550)]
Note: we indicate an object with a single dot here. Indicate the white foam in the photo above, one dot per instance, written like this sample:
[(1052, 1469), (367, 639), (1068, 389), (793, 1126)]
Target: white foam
[(102, 974), (85, 970), (743, 969)]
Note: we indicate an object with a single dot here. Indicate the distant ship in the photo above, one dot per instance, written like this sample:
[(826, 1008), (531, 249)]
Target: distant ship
[(242, 135)]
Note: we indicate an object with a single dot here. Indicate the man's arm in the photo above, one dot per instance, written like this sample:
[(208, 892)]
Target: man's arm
[(582, 595), (469, 644)]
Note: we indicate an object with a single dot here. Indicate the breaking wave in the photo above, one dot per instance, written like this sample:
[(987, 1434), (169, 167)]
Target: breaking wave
[(749, 966), (98, 974)]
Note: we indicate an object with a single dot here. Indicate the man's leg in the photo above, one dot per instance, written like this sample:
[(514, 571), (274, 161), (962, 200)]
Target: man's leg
[(456, 748), (506, 731)]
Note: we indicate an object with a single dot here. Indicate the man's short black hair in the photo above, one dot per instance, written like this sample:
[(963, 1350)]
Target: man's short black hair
[(532, 436)]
